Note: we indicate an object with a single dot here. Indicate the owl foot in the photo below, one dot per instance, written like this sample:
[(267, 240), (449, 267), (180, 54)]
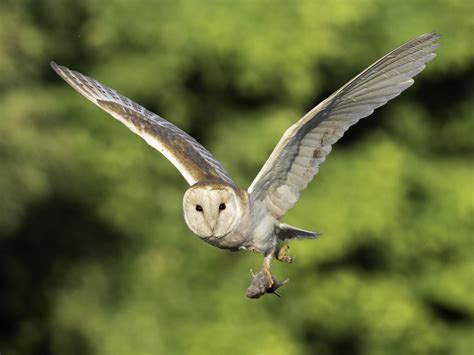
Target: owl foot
[(280, 254), (261, 284), (268, 276)]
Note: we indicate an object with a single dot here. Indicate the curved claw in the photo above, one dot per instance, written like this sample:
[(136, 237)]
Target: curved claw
[(281, 255)]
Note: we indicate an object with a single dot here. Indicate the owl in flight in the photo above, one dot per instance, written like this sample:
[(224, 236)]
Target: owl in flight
[(229, 217)]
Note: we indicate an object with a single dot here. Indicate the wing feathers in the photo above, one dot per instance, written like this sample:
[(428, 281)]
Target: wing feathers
[(192, 160), (305, 145)]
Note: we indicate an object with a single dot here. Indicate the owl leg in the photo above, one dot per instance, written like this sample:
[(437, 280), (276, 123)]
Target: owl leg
[(267, 260), (281, 255)]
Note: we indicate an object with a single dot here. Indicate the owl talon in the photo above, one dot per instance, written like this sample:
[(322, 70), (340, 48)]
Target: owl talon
[(280, 254)]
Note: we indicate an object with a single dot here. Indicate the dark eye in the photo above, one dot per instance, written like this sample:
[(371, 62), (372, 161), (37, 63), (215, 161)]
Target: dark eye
[(199, 208), (222, 206)]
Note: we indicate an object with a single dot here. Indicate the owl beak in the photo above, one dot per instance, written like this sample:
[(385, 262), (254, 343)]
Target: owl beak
[(212, 223)]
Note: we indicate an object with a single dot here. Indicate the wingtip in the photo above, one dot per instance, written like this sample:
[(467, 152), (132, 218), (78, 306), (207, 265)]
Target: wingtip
[(436, 34), (433, 35), (434, 44), (428, 38), (55, 66)]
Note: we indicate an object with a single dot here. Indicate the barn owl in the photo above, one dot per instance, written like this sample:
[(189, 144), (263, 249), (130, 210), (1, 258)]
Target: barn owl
[(229, 217)]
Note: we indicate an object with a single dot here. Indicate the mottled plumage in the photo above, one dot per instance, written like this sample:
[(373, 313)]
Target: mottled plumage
[(229, 217)]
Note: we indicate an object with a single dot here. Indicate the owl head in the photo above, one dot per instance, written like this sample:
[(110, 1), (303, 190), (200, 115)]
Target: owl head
[(212, 209)]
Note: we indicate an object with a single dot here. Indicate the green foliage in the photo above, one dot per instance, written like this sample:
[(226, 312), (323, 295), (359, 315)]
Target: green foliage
[(95, 256)]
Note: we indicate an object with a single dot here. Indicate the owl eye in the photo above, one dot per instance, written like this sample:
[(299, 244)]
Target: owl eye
[(199, 208), (222, 206)]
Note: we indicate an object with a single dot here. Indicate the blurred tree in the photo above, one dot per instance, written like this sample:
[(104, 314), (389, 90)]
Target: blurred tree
[(95, 257)]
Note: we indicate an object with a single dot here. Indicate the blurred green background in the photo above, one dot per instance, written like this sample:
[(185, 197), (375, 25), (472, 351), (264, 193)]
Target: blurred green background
[(95, 255)]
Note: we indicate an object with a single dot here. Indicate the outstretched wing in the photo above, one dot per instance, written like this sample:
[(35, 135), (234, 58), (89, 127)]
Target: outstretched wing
[(192, 160), (304, 146)]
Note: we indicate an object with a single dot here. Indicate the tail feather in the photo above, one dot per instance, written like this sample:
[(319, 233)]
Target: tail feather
[(287, 232)]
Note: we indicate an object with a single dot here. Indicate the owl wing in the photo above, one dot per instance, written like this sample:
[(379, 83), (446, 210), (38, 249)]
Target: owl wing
[(304, 146), (192, 160)]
